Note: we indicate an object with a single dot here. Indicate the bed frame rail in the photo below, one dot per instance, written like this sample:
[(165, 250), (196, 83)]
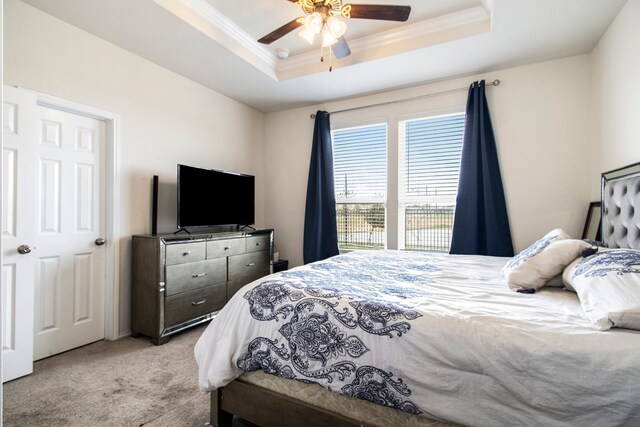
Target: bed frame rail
[(267, 408)]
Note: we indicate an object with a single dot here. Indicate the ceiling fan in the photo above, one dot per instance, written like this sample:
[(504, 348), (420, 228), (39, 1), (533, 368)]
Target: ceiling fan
[(321, 18)]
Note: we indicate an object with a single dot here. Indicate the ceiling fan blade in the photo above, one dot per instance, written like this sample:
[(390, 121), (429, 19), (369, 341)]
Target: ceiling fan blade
[(380, 11), (341, 49), (282, 31)]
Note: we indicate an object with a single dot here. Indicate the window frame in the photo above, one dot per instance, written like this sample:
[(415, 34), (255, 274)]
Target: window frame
[(366, 200), (392, 114), (402, 200)]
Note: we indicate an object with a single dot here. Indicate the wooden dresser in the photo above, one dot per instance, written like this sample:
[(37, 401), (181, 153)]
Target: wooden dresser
[(181, 281)]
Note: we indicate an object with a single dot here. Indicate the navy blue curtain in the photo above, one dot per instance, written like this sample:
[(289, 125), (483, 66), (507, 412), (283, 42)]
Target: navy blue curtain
[(481, 223), (320, 228)]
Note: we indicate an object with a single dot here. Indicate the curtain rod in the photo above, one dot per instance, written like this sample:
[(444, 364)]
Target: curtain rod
[(496, 82)]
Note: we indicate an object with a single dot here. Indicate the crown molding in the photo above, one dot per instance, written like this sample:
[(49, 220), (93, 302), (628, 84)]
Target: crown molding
[(399, 40), (224, 24), (207, 19)]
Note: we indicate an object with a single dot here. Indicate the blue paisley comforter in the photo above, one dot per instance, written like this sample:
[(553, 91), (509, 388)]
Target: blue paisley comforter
[(429, 334)]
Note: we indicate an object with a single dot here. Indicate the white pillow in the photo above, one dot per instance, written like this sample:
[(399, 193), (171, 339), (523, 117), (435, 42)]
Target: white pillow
[(535, 266), (535, 248), (608, 286)]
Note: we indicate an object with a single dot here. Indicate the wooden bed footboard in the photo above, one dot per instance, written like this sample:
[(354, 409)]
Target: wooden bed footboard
[(268, 408)]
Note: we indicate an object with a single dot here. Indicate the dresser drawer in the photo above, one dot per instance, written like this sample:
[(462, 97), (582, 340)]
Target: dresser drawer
[(189, 305), (187, 277), (257, 243), (234, 286), (185, 252), (246, 268), (225, 247)]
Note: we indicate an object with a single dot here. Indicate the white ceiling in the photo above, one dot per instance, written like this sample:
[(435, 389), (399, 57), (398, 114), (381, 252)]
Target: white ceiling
[(213, 42)]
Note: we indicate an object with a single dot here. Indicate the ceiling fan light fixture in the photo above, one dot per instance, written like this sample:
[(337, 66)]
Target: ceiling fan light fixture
[(336, 26), (328, 38), (314, 22), (308, 35)]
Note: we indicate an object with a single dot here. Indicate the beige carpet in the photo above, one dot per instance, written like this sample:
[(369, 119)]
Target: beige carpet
[(129, 382)]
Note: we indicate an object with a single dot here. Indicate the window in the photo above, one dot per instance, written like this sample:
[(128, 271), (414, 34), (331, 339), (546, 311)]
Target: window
[(429, 164), (360, 173)]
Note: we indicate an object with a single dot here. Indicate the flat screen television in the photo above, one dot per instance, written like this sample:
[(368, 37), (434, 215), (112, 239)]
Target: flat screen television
[(208, 197)]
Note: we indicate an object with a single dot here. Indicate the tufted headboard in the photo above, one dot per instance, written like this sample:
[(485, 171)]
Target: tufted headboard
[(621, 207)]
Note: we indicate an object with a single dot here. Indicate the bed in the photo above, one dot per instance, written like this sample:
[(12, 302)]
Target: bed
[(407, 338)]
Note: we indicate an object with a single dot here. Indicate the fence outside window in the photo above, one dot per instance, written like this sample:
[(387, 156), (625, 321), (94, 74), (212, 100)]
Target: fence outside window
[(360, 225), (428, 227)]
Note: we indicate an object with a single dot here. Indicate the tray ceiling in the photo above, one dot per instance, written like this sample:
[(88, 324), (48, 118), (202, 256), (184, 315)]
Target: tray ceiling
[(214, 42)]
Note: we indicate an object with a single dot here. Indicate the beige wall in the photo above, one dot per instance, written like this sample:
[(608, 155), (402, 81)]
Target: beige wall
[(165, 118), (539, 114), (616, 100)]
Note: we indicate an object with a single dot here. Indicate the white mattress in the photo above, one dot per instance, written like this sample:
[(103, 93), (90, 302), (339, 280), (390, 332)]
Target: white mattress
[(477, 354)]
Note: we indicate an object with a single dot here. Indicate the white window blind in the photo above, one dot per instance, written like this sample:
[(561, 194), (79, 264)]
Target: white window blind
[(360, 174), (360, 163), (430, 152), (431, 161)]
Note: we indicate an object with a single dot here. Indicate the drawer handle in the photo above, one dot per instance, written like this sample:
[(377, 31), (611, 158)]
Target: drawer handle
[(251, 264), (198, 302), (186, 253), (198, 274), (258, 244), (226, 248)]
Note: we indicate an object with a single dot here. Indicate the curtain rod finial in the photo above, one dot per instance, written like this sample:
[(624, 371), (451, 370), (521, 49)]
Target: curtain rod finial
[(496, 82)]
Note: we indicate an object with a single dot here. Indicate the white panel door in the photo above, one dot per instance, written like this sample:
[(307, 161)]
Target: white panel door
[(18, 231), (69, 265)]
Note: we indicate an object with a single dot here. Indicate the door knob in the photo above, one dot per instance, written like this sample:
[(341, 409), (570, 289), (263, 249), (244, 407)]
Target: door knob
[(24, 249), (100, 241)]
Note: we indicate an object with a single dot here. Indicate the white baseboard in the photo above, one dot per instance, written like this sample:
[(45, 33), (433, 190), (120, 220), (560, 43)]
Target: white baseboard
[(124, 334)]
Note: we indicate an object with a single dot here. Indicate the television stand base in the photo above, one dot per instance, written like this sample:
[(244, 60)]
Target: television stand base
[(245, 226), (182, 229)]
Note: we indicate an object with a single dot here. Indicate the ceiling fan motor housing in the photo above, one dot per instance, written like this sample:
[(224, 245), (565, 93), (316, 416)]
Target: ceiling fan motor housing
[(324, 7)]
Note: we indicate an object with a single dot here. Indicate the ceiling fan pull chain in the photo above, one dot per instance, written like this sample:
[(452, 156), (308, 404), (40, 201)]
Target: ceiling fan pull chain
[(321, 53), (330, 58)]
